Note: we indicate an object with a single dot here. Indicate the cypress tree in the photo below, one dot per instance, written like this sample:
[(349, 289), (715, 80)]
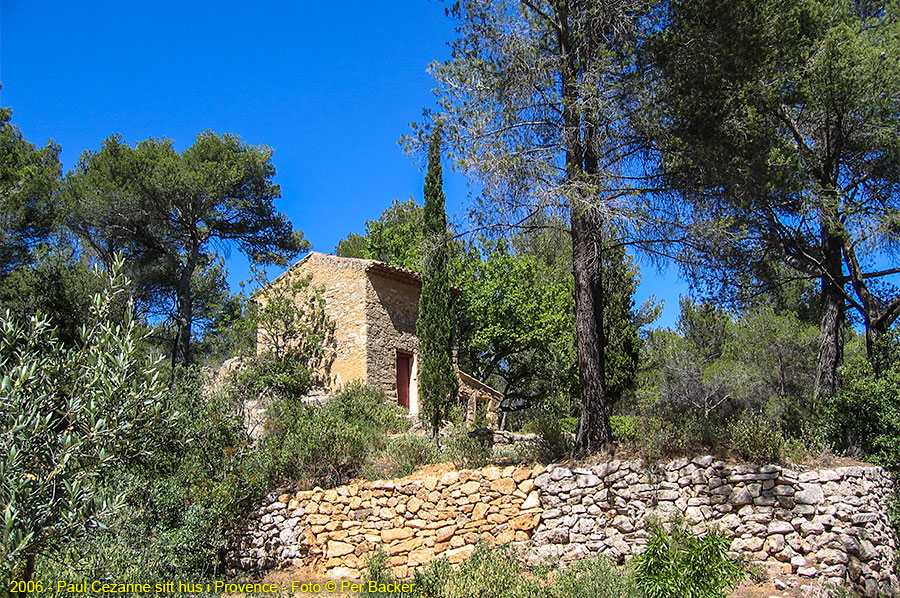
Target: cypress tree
[(438, 383)]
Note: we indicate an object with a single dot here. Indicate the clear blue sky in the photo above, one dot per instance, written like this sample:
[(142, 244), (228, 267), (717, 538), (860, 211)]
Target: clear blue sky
[(330, 86)]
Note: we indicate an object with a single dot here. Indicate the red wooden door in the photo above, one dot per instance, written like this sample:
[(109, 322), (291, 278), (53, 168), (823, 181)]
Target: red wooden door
[(403, 373)]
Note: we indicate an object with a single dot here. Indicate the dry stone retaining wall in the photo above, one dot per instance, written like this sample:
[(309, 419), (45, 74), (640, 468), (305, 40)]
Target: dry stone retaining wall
[(828, 526), (414, 520), (825, 526)]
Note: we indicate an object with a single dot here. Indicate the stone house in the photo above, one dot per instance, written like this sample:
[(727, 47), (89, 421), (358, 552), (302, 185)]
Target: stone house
[(374, 306)]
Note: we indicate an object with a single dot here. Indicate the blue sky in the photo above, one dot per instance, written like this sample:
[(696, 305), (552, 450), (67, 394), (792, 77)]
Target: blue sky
[(330, 86)]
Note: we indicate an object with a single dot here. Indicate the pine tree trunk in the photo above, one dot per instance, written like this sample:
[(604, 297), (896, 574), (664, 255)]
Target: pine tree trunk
[(184, 311), (593, 427), (832, 323)]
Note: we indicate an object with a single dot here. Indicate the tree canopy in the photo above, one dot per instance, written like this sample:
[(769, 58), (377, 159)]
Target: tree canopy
[(28, 181), (170, 213), (777, 125)]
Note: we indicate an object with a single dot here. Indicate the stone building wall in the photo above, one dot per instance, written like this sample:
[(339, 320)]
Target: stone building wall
[(345, 285), (392, 307), (476, 395), (815, 527)]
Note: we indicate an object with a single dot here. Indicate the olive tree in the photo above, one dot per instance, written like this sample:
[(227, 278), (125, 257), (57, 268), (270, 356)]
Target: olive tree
[(66, 415)]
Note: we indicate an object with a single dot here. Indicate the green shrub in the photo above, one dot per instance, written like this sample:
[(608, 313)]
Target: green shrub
[(405, 454), (864, 418), (181, 503), (553, 443), (491, 572), (377, 570), (594, 577), (627, 428), (678, 564), (756, 439), (329, 444), (270, 376), (466, 452)]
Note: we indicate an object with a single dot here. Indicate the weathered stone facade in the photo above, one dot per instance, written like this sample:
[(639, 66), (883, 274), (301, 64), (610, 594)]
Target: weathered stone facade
[(829, 526), (374, 307)]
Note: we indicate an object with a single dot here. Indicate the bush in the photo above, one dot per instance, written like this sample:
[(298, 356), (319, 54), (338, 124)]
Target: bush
[(467, 452), (495, 572), (864, 418), (405, 454), (270, 376), (592, 578), (491, 572), (678, 564), (70, 415), (329, 444), (756, 439), (554, 443), (626, 428), (179, 505)]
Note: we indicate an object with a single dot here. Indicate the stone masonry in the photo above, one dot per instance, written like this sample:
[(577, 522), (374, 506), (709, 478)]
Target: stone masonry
[(374, 307), (413, 520), (824, 526)]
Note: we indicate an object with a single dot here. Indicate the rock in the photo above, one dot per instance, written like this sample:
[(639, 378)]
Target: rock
[(449, 478), (780, 527), (533, 501), (811, 494), (740, 496), (542, 481), (398, 533), (445, 533), (470, 487), (458, 555), (560, 473), (337, 549), (504, 486)]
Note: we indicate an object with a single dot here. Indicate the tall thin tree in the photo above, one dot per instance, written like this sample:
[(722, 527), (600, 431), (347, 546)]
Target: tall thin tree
[(534, 101), (438, 384)]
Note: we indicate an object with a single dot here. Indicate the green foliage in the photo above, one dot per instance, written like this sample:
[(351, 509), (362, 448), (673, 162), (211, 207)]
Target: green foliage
[(221, 190), (288, 317), (596, 576), (491, 572), (438, 383), (748, 97), (517, 322), (29, 209), (678, 564), (626, 428), (57, 287), (755, 439), (719, 365), (395, 238), (70, 414), (268, 376), (198, 484), (864, 418), (494, 571), (405, 454), (554, 443), (466, 452), (327, 445), (377, 570)]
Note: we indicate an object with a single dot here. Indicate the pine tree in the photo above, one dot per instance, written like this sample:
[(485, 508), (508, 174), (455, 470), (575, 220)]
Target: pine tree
[(438, 384)]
